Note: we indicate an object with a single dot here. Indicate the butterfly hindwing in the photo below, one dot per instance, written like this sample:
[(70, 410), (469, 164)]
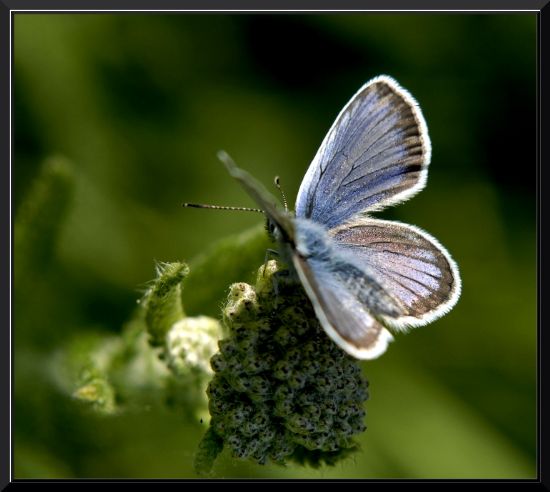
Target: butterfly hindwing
[(375, 154), (410, 264), (343, 317)]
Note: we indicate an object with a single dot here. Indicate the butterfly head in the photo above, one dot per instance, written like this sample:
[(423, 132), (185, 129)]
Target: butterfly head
[(280, 223)]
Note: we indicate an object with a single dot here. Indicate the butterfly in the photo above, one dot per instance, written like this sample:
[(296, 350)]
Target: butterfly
[(362, 274)]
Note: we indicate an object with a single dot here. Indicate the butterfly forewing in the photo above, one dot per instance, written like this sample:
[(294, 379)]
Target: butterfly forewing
[(376, 154)]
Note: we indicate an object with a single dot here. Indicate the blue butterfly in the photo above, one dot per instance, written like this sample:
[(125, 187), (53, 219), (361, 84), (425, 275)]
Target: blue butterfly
[(363, 274)]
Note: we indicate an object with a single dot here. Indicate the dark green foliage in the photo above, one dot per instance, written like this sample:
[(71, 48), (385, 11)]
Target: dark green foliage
[(161, 356), (40, 217)]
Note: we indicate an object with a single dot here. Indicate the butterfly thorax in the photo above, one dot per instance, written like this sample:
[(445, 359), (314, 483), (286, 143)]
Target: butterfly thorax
[(312, 239)]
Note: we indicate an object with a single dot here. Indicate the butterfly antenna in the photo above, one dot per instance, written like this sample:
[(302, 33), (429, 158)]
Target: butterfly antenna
[(221, 207), (278, 185)]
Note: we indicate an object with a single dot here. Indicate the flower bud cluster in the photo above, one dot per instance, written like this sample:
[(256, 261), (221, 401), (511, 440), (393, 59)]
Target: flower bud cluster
[(282, 390)]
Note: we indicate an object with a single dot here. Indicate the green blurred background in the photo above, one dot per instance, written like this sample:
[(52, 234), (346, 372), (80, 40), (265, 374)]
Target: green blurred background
[(139, 105)]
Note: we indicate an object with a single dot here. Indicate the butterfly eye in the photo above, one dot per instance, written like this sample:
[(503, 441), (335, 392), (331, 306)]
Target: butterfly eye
[(270, 227)]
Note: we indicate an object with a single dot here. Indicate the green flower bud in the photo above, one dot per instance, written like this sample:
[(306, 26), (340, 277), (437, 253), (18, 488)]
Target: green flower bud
[(190, 343)]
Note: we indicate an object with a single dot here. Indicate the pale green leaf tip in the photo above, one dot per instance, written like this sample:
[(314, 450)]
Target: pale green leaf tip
[(162, 301), (99, 393)]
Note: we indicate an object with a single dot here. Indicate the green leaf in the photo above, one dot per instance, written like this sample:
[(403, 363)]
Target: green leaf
[(232, 259), (209, 448)]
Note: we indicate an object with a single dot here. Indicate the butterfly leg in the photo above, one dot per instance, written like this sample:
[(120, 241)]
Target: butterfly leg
[(269, 253), (280, 276)]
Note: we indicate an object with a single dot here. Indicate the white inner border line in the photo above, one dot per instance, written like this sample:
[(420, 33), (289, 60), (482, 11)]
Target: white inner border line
[(30, 11), (11, 253)]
